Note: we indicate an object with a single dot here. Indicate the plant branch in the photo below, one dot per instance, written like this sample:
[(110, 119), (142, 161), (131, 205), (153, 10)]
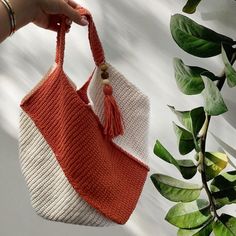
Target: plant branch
[(203, 169), (203, 137)]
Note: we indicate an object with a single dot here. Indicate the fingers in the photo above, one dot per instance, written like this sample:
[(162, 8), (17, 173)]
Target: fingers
[(53, 23), (68, 23), (69, 10), (50, 12), (72, 3)]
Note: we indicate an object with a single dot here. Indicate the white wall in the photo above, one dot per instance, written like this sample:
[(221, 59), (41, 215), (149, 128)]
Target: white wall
[(137, 41)]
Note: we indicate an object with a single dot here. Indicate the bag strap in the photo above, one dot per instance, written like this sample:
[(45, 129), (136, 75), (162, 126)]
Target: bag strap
[(113, 121), (95, 43)]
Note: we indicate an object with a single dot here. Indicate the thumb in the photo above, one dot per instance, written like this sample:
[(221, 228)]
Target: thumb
[(73, 14)]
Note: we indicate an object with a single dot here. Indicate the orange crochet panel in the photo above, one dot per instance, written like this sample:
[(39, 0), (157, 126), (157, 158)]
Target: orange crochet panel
[(104, 174), (107, 177)]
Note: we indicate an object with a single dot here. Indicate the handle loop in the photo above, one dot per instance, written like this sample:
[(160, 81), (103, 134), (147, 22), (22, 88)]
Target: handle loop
[(95, 43), (60, 48), (113, 125)]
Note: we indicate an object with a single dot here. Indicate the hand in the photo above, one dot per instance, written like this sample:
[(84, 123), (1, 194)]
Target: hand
[(48, 13)]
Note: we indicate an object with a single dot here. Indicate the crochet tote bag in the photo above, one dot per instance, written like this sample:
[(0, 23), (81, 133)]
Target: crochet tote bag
[(83, 152)]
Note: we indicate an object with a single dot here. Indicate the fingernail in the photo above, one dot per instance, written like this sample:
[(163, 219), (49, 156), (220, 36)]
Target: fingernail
[(84, 20)]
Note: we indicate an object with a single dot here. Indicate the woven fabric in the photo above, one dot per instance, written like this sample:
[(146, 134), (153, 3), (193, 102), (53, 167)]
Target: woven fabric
[(83, 152), (52, 196), (134, 106), (75, 135)]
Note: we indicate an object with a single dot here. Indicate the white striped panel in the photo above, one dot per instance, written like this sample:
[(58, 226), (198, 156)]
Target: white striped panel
[(135, 110), (52, 196)]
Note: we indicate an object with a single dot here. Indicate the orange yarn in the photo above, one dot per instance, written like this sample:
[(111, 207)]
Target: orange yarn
[(106, 176), (113, 120), (113, 125)]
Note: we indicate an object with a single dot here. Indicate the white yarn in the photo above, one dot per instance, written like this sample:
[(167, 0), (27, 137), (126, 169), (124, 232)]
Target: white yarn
[(52, 196), (134, 106)]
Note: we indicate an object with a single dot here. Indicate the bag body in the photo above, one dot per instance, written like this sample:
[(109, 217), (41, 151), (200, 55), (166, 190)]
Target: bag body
[(81, 164)]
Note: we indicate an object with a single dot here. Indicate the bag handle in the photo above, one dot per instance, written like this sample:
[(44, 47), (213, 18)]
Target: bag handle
[(95, 43), (113, 122)]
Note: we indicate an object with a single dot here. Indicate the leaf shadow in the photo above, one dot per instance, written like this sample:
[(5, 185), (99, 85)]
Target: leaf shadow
[(230, 115), (224, 14), (136, 24)]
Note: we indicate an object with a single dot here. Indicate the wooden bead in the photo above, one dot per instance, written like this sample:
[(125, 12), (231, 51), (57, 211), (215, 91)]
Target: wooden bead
[(105, 81), (104, 67), (105, 75)]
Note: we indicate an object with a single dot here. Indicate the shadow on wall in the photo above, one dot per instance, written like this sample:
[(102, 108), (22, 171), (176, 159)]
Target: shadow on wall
[(7, 154), (12, 188), (227, 7), (136, 25), (230, 115), (229, 96), (129, 30)]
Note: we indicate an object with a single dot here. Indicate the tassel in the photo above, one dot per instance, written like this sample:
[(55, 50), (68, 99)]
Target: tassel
[(113, 121)]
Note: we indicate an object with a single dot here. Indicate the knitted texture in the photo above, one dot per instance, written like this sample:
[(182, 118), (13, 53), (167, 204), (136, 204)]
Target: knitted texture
[(52, 196), (75, 172), (105, 176), (134, 106)]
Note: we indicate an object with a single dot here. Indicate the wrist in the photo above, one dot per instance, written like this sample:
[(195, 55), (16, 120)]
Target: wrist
[(25, 11)]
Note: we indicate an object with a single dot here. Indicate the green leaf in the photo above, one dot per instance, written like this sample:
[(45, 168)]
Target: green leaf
[(192, 120), (223, 188), (214, 103), (215, 162), (191, 6), (189, 215), (185, 139), (198, 117), (227, 149), (188, 78), (184, 117), (196, 39), (161, 152), (225, 226), (229, 70), (225, 197), (204, 231), (175, 190), (186, 167), (224, 181)]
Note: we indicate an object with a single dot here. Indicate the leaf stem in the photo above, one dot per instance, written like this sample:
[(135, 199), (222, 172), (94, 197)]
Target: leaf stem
[(203, 137), (203, 168)]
